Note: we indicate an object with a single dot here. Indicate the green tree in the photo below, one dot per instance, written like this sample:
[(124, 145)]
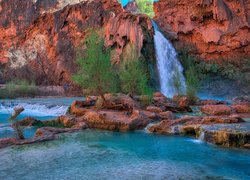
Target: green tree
[(192, 80), (95, 70), (146, 7), (192, 75), (133, 77), (177, 84)]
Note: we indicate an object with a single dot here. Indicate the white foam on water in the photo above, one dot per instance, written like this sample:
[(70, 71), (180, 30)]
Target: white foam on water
[(34, 109), (196, 141), (170, 69)]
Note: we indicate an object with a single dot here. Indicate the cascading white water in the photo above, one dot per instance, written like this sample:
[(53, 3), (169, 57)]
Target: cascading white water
[(34, 109), (170, 69), (202, 136)]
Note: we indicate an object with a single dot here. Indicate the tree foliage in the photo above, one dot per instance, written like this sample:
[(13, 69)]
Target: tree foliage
[(133, 76), (146, 7), (95, 70), (192, 76)]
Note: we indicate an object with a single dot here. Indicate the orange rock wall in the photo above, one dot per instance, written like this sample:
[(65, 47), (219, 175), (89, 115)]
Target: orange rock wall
[(38, 39), (210, 29)]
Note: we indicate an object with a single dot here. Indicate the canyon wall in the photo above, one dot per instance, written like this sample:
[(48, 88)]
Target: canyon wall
[(39, 38), (210, 29)]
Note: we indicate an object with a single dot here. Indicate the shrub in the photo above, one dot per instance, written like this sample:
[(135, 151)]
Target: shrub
[(133, 76), (146, 7), (193, 76), (20, 88), (177, 84), (192, 81), (49, 124), (95, 70)]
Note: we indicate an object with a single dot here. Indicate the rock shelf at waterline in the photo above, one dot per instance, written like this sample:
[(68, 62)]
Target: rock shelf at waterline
[(126, 113)]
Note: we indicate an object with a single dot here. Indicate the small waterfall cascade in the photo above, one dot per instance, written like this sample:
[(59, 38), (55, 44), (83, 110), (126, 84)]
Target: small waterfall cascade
[(172, 80), (202, 135), (34, 108)]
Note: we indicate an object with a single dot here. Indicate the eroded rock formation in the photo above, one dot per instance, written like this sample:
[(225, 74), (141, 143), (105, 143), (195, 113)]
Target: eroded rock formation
[(210, 29), (38, 39)]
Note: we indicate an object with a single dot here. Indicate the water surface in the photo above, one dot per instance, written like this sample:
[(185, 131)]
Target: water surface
[(39, 108), (111, 155)]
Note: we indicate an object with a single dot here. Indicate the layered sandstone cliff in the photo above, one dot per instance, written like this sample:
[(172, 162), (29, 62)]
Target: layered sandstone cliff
[(210, 29), (39, 38)]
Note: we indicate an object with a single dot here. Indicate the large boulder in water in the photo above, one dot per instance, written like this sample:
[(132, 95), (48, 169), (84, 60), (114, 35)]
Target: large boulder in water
[(241, 108), (228, 135), (178, 126), (216, 110), (117, 120), (154, 109)]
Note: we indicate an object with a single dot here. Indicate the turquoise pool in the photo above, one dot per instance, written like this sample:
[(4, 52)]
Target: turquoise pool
[(93, 154), (111, 155)]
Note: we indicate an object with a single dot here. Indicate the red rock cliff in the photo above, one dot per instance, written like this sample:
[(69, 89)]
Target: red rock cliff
[(211, 29), (38, 39)]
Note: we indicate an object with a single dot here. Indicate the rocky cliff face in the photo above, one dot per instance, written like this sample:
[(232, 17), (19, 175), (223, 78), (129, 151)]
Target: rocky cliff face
[(38, 38), (210, 29)]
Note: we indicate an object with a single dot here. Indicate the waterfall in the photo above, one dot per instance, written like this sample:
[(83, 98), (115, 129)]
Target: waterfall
[(202, 135), (170, 69), (34, 109)]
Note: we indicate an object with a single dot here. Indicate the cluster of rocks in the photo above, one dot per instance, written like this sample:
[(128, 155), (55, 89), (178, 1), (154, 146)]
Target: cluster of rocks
[(220, 123)]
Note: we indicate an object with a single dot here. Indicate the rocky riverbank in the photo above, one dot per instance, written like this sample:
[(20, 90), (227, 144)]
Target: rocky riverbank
[(217, 121)]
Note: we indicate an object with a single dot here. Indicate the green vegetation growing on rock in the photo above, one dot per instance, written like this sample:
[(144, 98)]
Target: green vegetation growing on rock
[(226, 70), (146, 7), (193, 76), (48, 124), (97, 74), (177, 84), (21, 88), (133, 76), (95, 70)]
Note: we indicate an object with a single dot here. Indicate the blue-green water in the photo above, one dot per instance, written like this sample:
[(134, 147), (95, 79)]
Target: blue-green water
[(111, 155), (40, 108), (92, 154)]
